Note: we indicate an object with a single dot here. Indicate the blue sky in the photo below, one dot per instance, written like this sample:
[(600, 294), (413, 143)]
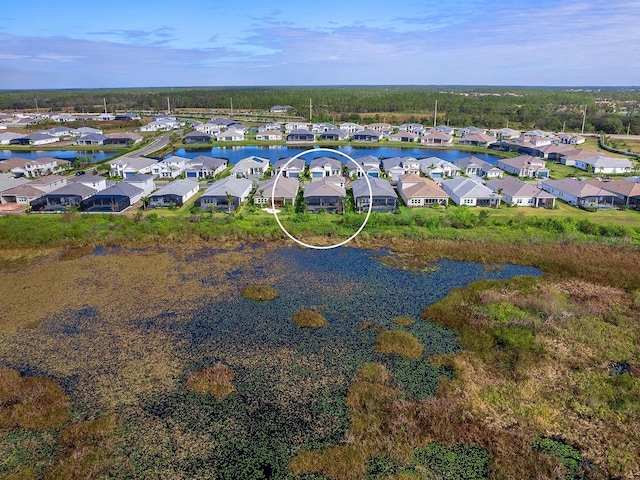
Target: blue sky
[(81, 44)]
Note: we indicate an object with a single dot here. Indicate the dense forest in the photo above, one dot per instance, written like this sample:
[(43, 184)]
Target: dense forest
[(609, 110)]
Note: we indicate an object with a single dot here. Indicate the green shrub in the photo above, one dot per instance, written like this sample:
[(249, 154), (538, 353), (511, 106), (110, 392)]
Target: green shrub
[(459, 462), (569, 456)]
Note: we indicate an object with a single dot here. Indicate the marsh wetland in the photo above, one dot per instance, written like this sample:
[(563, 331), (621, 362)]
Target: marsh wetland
[(161, 367)]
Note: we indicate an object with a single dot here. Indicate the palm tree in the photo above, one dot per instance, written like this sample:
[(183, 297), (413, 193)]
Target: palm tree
[(499, 192), (229, 199)]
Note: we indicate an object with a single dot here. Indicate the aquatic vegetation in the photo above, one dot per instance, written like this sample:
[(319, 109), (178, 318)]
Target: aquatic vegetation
[(214, 380), (259, 292), (309, 318), (399, 342)]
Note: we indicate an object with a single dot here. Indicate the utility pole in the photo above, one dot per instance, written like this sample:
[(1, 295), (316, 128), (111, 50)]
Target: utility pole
[(563, 125), (310, 111), (168, 106), (628, 128), (38, 111), (584, 118), (104, 100), (232, 106), (435, 115)]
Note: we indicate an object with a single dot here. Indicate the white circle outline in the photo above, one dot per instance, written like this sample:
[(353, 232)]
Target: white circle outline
[(317, 247)]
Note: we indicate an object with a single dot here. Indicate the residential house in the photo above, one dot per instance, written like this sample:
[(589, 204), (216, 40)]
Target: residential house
[(96, 182), (471, 130), (126, 166), (58, 132), (20, 194), (280, 109), (326, 194), (293, 126), (300, 135), (571, 139), (324, 167), (413, 128), (396, 166), (513, 191), (436, 138), (113, 199), (438, 169), (443, 129), (370, 165), (334, 135), (161, 124), (35, 139), (351, 127), (122, 139), (209, 128), (627, 193), (382, 194), (579, 193), (605, 165), (286, 190), (417, 191), (572, 155), (367, 135), (204, 166), (226, 194), (91, 139), (505, 133), (48, 183), (197, 137), (79, 132), (524, 166), (63, 118), (270, 127), (105, 117), (68, 196), (383, 128), (322, 127), (127, 116), (7, 137), (41, 166), (143, 181), (477, 140), (250, 167), (269, 135), (467, 191), (176, 193), (170, 167), (404, 136), (294, 168), (474, 167), (230, 135)]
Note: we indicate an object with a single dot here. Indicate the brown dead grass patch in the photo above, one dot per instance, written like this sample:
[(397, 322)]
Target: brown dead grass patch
[(309, 318), (403, 321), (87, 449), (214, 380), (259, 292), (400, 343), (34, 403)]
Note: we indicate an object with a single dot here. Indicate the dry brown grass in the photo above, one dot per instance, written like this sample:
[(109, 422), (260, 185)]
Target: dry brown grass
[(88, 450), (403, 321), (35, 403), (259, 292), (309, 318), (214, 380), (400, 343)]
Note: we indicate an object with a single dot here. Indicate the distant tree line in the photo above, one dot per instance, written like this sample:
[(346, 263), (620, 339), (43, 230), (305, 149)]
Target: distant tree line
[(492, 107)]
